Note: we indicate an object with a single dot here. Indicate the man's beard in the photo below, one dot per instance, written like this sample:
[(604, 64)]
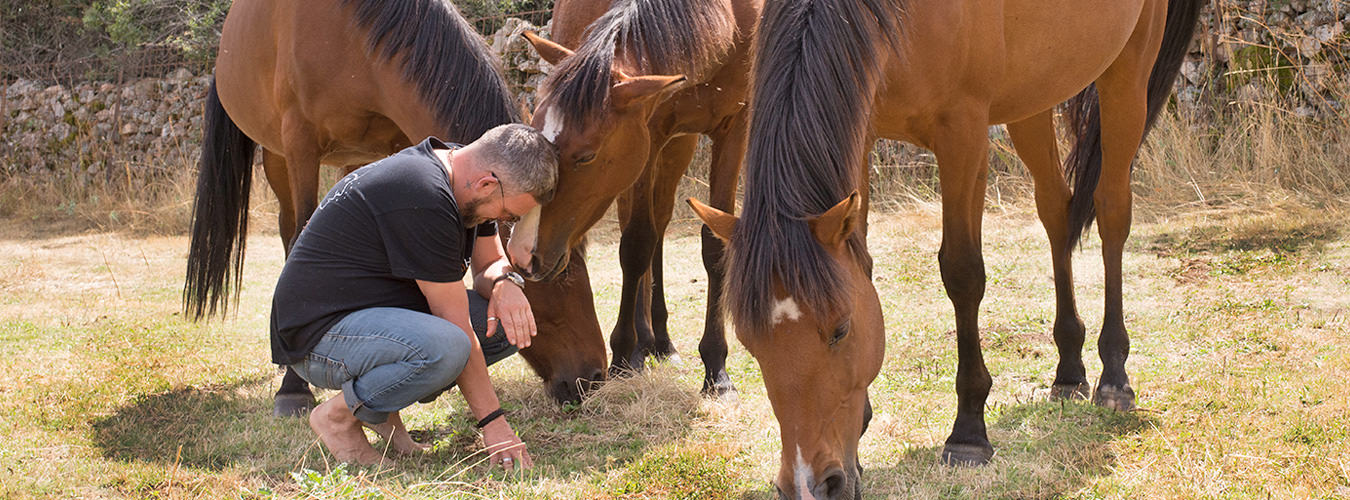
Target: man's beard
[(468, 212)]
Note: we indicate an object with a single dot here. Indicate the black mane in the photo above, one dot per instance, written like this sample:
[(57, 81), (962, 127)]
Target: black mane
[(665, 37), (447, 60), (817, 69)]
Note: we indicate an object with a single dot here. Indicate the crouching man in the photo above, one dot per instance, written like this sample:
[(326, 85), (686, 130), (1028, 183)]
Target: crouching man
[(371, 302)]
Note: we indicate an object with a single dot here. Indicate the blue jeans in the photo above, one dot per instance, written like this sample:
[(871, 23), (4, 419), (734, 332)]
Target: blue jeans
[(385, 359)]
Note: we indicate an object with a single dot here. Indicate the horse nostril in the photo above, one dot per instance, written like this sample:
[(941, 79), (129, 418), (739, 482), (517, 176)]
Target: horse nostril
[(834, 485)]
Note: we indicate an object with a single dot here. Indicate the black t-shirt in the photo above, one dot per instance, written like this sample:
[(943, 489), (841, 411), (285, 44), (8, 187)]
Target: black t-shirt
[(379, 229)]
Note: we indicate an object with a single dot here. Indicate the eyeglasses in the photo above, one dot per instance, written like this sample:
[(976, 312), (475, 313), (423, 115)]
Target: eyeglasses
[(509, 217)]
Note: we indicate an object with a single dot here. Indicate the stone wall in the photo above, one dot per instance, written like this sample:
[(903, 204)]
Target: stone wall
[(152, 126)]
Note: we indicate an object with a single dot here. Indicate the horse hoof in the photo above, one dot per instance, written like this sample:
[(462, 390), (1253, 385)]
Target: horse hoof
[(1115, 398), (968, 455), (1077, 391), (292, 405), (722, 391), (672, 358)]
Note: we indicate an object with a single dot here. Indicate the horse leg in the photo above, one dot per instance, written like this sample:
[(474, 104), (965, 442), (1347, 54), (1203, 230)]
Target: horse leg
[(300, 168), (724, 172), (274, 166), (1122, 91), (635, 258), (670, 167), (961, 147), (1034, 139)]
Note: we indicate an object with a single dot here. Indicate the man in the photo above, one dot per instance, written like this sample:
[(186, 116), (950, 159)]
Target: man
[(371, 300)]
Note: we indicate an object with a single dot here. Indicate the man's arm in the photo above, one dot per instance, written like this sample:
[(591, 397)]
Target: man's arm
[(450, 301), (507, 304), (488, 262)]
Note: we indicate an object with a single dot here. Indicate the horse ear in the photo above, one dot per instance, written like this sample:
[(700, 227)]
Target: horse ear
[(834, 226), (630, 91), (547, 49), (721, 223)]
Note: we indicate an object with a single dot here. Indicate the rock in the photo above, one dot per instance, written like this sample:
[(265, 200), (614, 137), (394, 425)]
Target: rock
[(181, 74), (1325, 33), (1192, 71), (128, 128), (1308, 46)]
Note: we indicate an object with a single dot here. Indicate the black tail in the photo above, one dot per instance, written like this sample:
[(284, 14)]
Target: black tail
[(1083, 111), (220, 214)]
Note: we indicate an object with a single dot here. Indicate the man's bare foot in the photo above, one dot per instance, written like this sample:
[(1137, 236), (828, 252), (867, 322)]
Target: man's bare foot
[(396, 434), (341, 432)]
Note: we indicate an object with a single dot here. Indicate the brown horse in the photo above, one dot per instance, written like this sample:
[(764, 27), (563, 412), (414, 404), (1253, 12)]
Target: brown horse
[(626, 111), (833, 75), (344, 83)]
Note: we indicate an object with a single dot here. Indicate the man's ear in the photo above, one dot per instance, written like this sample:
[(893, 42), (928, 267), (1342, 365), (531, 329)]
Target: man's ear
[(547, 49), (721, 223), (834, 226)]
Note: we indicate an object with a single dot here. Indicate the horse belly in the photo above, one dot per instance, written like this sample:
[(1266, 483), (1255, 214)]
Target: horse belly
[(1056, 48)]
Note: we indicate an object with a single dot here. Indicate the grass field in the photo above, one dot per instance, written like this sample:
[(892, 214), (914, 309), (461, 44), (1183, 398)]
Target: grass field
[(1240, 325)]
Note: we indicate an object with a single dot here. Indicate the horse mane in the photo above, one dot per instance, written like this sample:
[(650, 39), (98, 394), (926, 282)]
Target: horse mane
[(655, 37), (817, 69), (451, 66)]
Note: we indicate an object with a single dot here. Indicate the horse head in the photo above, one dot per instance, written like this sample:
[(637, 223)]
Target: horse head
[(602, 152), (816, 364)]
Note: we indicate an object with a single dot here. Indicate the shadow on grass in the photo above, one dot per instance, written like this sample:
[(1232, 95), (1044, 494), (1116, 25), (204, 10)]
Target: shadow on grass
[(1042, 450), (230, 426), (216, 426), (627, 422), (1284, 234)]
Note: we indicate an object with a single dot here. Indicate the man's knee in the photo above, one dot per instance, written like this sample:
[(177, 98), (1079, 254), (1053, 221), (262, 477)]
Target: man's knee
[(446, 350)]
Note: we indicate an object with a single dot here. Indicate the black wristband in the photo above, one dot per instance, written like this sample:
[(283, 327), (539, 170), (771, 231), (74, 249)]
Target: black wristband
[(490, 417)]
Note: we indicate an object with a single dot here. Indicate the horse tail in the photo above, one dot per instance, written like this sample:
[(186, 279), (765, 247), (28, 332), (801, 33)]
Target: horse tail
[(220, 213), (1083, 112)]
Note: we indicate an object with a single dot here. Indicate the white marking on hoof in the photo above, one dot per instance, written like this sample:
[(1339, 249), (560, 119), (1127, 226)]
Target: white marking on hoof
[(785, 309)]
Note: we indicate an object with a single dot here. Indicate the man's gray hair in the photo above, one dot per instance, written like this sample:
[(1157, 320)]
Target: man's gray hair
[(524, 159)]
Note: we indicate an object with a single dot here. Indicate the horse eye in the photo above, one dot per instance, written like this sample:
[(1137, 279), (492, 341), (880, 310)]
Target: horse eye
[(584, 158), (840, 332)]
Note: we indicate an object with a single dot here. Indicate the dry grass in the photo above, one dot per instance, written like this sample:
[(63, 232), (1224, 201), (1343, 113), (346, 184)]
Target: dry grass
[(1239, 322)]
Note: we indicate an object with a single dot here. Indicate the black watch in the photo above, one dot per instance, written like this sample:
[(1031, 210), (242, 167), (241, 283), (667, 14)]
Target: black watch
[(512, 276)]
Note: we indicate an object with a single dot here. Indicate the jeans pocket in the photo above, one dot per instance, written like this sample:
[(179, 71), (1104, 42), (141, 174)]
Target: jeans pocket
[(323, 372)]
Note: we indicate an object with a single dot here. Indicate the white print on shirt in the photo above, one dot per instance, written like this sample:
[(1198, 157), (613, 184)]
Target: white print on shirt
[(340, 190)]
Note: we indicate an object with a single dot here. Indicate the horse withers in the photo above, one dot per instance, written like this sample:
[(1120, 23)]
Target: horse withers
[(832, 76), (345, 83)]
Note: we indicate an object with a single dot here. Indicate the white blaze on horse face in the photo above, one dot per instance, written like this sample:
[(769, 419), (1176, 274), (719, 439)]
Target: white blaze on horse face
[(785, 309), (802, 477), (524, 237), (552, 124)]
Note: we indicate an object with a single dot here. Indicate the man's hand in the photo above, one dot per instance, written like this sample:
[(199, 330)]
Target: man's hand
[(509, 308), (504, 447)]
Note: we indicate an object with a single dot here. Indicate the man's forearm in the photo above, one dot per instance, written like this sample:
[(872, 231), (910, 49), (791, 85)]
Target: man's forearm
[(473, 381)]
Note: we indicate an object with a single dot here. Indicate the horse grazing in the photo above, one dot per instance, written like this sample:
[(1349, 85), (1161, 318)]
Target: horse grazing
[(830, 77), (626, 110), (345, 83)]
